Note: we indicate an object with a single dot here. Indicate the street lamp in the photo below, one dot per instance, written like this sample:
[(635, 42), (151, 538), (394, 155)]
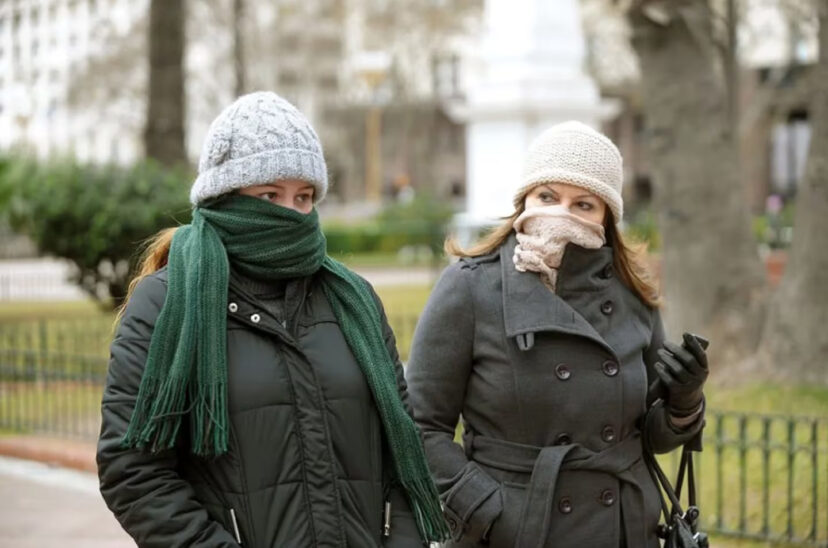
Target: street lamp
[(372, 66)]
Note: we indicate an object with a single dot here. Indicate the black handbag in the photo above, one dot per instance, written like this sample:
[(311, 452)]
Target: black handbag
[(680, 527)]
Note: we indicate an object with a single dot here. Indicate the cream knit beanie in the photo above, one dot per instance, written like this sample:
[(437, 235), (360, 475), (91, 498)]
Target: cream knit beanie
[(575, 154)]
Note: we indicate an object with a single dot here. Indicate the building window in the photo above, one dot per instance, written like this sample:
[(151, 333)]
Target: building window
[(445, 73)]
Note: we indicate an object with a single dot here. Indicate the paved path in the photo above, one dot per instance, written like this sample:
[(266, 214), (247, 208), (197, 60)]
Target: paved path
[(415, 275), (47, 507)]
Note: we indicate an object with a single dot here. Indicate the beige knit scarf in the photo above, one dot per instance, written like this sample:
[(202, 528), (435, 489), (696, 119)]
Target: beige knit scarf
[(542, 235)]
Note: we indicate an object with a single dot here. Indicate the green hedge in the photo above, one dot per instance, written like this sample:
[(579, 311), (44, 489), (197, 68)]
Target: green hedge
[(95, 216), (421, 222)]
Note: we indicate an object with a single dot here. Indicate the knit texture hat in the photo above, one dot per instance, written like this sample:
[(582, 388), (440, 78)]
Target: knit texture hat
[(259, 139), (575, 154)]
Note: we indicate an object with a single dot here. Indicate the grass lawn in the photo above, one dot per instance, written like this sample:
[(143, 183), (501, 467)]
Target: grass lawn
[(11, 311)]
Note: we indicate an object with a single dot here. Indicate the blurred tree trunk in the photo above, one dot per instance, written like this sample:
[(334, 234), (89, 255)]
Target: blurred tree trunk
[(164, 132), (238, 47), (795, 341), (712, 277)]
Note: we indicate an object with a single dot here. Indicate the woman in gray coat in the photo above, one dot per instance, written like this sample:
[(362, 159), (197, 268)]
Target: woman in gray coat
[(545, 337)]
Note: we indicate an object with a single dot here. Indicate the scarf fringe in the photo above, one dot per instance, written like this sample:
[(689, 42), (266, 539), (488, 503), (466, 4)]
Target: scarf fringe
[(425, 503)]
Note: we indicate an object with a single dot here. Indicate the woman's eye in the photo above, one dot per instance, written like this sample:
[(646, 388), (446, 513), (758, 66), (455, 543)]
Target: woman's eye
[(547, 197), (269, 196), (303, 198), (585, 206)]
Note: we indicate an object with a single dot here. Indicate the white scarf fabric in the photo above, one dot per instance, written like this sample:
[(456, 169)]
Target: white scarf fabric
[(542, 235)]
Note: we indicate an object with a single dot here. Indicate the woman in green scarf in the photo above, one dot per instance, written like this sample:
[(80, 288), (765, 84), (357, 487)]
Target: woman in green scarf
[(255, 396)]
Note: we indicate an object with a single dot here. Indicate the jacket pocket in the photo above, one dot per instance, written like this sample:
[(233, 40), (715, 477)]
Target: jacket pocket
[(221, 515), (503, 531)]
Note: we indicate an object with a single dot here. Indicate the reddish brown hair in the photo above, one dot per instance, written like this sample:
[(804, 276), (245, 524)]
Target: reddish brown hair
[(629, 260), (153, 258)]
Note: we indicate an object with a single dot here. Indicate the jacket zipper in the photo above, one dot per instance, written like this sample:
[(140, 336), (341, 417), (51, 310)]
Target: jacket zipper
[(386, 528), (235, 526)]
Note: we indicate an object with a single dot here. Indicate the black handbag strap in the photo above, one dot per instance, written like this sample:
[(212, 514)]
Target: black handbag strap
[(673, 495)]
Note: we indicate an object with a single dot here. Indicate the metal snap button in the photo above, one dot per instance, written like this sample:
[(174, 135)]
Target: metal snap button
[(255, 318), (565, 505), (606, 273), (233, 307), (562, 371), (610, 368), (607, 307)]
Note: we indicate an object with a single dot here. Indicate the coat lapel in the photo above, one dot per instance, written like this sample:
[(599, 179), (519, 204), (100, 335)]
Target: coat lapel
[(530, 307)]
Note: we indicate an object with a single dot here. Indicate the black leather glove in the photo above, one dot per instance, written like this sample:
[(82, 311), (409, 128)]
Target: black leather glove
[(683, 371)]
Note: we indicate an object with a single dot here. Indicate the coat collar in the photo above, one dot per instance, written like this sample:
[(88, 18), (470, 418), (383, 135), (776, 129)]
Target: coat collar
[(529, 306)]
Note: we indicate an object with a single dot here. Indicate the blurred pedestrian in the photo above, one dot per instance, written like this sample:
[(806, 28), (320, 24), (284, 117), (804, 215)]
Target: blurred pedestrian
[(255, 396), (545, 337)]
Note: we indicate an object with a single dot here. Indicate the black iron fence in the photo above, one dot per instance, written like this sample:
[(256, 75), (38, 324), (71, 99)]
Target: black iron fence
[(51, 375), (762, 477), (765, 477)]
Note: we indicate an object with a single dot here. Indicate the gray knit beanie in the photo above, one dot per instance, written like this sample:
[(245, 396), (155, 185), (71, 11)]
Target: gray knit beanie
[(259, 139), (575, 154)]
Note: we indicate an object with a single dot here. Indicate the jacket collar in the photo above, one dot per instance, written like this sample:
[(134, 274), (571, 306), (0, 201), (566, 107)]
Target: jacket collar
[(529, 306)]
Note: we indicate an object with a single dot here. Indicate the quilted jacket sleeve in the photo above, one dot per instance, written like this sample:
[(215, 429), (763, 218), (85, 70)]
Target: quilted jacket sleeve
[(144, 491)]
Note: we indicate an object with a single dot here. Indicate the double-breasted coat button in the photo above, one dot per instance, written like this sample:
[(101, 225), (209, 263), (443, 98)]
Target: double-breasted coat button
[(607, 497), (606, 273), (255, 318), (562, 371), (608, 434), (563, 439), (607, 307), (565, 505), (610, 368), (233, 307)]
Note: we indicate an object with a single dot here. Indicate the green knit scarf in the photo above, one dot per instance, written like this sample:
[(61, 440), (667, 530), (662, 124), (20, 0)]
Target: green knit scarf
[(186, 368)]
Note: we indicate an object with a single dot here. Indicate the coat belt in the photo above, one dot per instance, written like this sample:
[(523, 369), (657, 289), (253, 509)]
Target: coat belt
[(544, 463)]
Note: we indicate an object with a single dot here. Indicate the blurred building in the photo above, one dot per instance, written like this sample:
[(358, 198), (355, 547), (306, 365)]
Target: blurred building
[(73, 80), (380, 79), (44, 46)]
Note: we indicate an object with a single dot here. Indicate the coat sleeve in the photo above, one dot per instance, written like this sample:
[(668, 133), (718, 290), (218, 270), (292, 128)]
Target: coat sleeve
[(144, 491), (663, 435), (404, 531), (438, 372)]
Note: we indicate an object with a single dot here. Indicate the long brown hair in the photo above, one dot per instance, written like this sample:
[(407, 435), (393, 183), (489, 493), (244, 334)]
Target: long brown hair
[(153, 257), (629, 259)]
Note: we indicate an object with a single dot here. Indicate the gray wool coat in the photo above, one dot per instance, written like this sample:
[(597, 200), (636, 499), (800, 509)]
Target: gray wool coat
[(551, 388)]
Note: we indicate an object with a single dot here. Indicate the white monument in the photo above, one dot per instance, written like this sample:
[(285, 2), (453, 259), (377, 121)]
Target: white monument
[(528, 75)]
